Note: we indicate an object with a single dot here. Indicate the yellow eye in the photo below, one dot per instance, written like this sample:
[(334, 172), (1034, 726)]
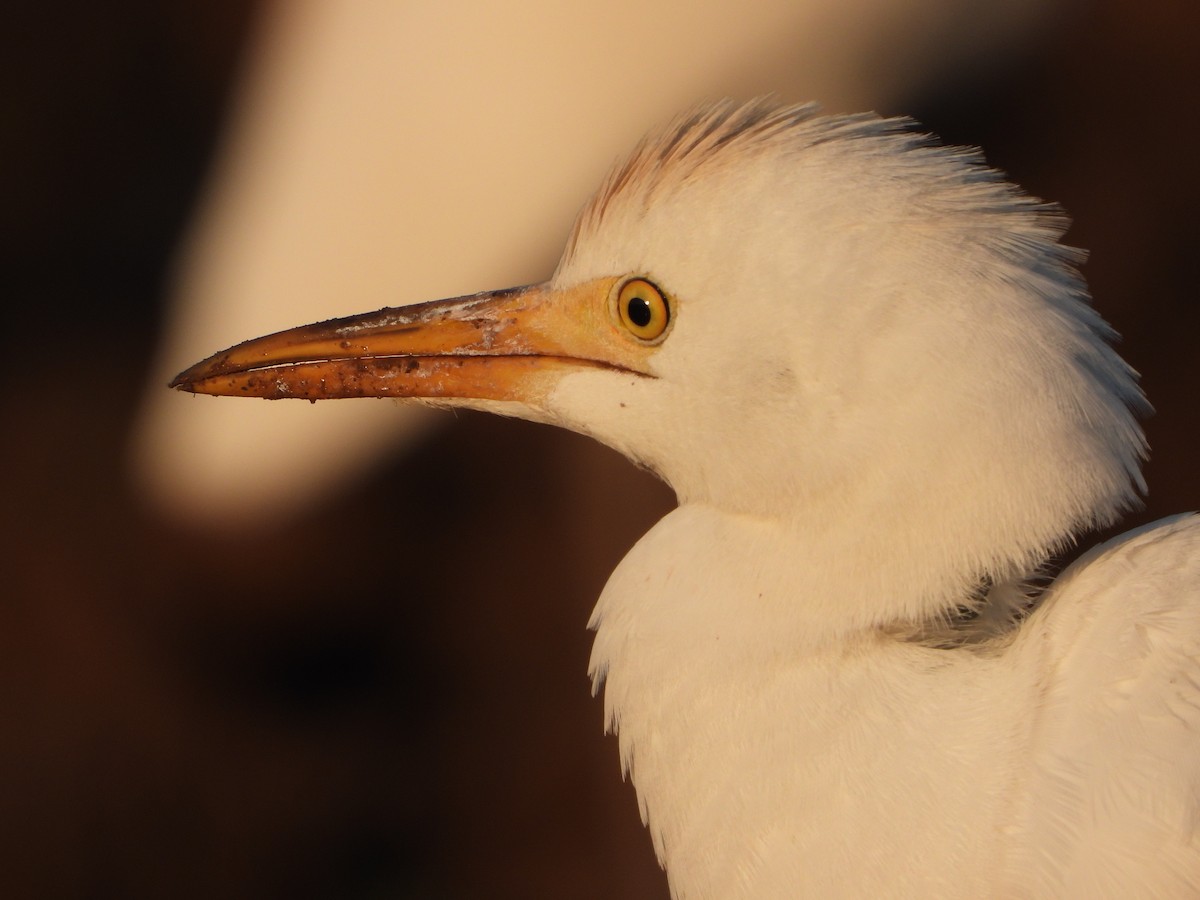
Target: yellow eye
[(643, 309)]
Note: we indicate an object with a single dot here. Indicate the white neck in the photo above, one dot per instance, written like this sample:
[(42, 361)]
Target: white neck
[(705, 644)]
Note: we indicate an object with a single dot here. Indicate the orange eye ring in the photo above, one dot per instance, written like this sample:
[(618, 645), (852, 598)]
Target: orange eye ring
[(643, 310)]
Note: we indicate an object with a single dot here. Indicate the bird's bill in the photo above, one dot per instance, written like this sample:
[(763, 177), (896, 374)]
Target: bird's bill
[(501, 345)]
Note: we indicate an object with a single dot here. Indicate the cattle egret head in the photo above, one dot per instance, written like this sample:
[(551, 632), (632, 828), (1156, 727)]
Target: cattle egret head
[(821, 319), (871, 374)]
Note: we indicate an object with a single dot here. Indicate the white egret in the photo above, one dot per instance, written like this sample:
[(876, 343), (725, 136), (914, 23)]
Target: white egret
[(872, 376)]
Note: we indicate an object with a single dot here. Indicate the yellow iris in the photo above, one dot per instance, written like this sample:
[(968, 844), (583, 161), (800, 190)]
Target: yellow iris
[(642, 309)]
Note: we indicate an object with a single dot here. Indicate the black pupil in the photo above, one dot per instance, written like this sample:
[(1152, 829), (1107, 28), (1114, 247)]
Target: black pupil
[(639, 311)]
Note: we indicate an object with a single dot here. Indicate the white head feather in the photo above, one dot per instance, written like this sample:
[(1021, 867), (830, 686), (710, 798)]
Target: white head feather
[(875, 338)]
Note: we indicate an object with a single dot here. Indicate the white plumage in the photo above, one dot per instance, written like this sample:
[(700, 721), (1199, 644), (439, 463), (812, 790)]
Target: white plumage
[(883, 401)]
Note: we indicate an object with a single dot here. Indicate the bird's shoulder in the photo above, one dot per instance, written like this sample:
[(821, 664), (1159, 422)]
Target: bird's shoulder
[(1112, 778), (1136, 596)]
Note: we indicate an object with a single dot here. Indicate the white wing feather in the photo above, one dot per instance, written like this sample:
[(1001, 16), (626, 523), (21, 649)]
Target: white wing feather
[(1112, 802)]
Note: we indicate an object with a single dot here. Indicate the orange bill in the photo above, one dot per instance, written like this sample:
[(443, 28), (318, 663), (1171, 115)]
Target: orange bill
[(501, 345)]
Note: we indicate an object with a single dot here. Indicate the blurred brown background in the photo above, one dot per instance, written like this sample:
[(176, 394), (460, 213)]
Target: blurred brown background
[(387, 696)]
